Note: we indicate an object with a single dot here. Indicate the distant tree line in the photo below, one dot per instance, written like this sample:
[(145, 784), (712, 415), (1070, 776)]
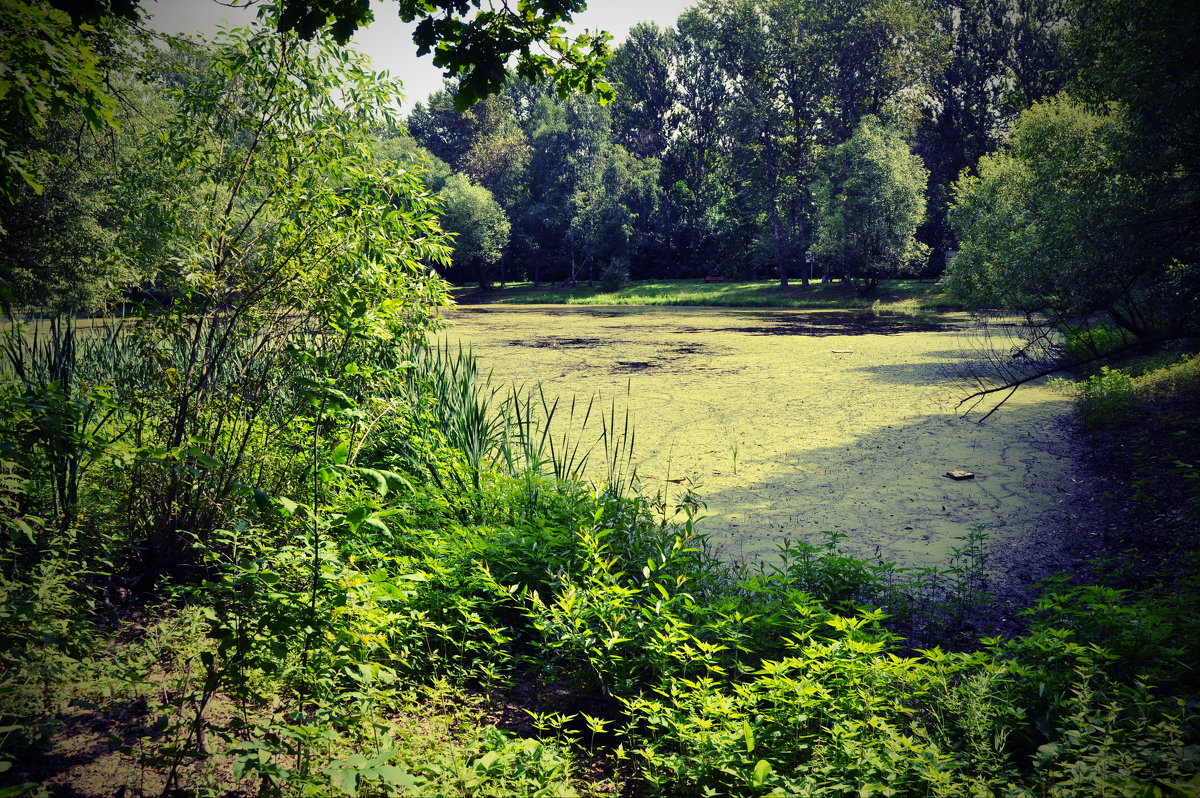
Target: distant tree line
[(728, 147), (1048, 144)]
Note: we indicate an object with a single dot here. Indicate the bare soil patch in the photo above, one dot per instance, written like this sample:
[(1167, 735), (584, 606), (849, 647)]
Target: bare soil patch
[(792, 423)]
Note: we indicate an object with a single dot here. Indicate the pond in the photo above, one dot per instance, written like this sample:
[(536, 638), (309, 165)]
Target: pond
[(792, 423)]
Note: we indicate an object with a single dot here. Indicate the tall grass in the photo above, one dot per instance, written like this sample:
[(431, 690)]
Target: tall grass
[(521, 430), (71, 384), (461, 402)]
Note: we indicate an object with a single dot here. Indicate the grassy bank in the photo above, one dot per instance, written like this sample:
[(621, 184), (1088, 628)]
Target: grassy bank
[(905, 296)]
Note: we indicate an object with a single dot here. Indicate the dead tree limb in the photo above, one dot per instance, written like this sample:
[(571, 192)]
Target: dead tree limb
[(1013, 384)]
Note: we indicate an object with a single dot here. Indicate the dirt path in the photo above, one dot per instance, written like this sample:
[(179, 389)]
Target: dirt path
[(834, 423)]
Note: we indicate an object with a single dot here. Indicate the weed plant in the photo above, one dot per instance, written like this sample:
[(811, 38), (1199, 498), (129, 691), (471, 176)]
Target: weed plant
[(1106, 399), (418, 540), (1089, 342)]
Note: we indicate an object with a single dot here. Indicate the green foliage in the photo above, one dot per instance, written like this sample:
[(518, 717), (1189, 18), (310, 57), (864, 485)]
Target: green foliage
[(47, 67), (298, 254), (1088, 344), (804, 75), (869, 204), (614, 275), (705, 162), (1133, 53), (495, 764), (480, 228), (348, 596), (1107, 398), (611, 633), (1050, 173), (58, 245), (343, 520), (477, 45), (1047, 227)]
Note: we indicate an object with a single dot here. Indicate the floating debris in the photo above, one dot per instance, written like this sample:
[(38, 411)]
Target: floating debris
[(960, 475)]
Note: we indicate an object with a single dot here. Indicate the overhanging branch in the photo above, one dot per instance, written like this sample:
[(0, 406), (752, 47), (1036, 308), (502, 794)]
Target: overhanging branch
[(1011, 386)]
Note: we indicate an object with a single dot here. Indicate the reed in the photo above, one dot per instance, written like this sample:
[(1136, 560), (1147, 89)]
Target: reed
[(521, 431)]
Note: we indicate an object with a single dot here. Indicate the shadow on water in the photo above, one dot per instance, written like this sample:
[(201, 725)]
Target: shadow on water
[(888, 492), (815, 323), (921, 373), (556, 342), (819, 325), (664, 357), (970, 375), (597, 311)]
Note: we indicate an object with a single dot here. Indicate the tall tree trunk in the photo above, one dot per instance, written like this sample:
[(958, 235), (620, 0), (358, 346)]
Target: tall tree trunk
[(806, 264), (777, 246)]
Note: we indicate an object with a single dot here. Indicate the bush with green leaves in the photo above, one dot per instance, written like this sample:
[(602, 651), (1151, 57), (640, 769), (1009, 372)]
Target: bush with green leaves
[(1087, 343), (615, 275), (1106, 399)]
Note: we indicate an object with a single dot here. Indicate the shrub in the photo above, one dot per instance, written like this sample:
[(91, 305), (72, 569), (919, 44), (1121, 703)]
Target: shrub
[(1106, 399), (1090, 342), (614, 275)]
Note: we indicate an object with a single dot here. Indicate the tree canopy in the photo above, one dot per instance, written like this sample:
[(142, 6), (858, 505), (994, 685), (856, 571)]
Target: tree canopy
[(1088, 211), (480, 228), (870, 201)]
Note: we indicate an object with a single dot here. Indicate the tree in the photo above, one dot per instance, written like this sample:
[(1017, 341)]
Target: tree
[(1088, 214), (968, 102), (1039, 60), (613, 205), (474, 44), (471, 43), (869, 203), (441, 128), (702, 94), (698, 232), (484, 142), (49, 68), (293, 247), (480, 228), (1141, 54), (1001, 56), (765, 60), (641, 73), (803, 73), (50, 59), (57, 248), (87, 231), (1055, 228)]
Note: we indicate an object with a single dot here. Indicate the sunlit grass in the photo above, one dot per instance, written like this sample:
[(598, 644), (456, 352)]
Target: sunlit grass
[(902, 296)]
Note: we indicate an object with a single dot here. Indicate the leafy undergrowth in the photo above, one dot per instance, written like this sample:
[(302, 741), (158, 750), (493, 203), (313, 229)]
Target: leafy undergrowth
[(439, 608), (907, 296), (1146, 421)]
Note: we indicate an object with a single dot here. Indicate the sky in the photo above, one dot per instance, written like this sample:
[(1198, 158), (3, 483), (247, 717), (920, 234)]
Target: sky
[(388, 41)]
